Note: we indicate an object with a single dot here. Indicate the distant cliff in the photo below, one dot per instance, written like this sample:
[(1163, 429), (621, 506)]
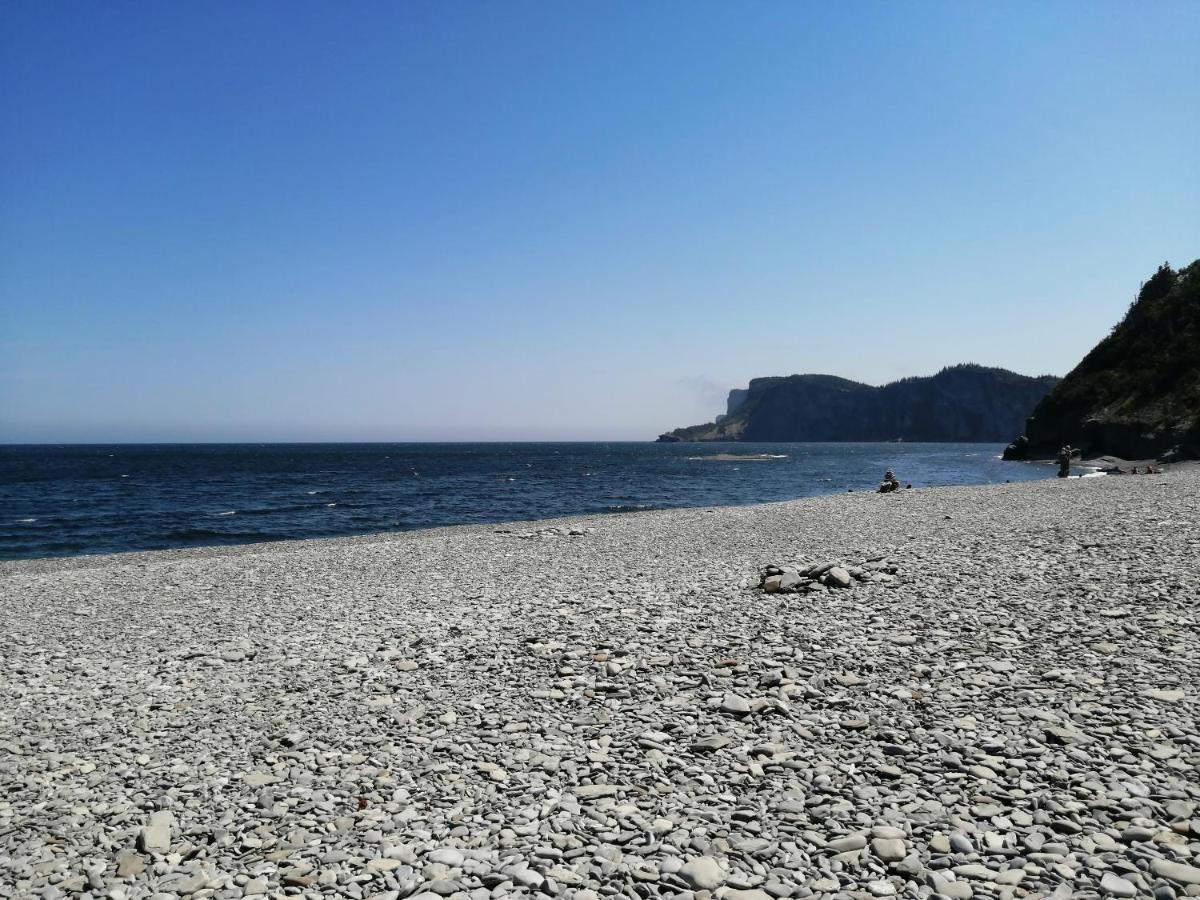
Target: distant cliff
[(1137, 393), (961, 403)]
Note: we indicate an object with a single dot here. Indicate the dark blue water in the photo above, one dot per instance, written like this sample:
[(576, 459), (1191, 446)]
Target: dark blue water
[(69, 500)]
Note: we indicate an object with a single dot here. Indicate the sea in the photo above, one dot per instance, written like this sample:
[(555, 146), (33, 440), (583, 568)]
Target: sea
[(71, 500)]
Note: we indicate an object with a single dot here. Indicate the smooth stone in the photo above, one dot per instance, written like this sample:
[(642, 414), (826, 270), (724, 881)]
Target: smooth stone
[(847, 843), (960, 843), (976, 871), (702, 873), (447, 856), (156, 836), (1173, 871), (838, 577), (593, 791), (889, 849), (735, 704), (751, 845), (711, 744), (383, 864), (1116, 886), (129, 864)]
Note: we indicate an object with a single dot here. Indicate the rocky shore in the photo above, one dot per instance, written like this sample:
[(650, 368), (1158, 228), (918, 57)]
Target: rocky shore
[(614, 707)]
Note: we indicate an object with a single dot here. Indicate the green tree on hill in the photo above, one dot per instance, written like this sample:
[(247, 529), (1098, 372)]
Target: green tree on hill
[(1138, 391)]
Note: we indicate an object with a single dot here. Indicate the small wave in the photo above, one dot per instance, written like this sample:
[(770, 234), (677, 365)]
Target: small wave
[(629, 507), (276, 510), (228, 512), (186, 535), (331, 504), (27, 521), (739, 457), (191, 534)]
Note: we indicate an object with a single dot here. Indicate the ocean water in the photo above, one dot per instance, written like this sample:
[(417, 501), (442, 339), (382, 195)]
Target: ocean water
[(87, 499)]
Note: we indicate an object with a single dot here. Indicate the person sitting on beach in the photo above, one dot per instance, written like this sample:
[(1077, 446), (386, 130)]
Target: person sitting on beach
[(890, 482)]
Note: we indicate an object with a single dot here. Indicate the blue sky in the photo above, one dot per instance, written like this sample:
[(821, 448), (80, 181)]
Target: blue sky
[(376, 221)]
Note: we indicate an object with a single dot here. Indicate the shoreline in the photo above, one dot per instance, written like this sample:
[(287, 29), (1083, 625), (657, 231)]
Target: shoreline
[(460, 710), (139, 557), (47, 564), (160, 499)]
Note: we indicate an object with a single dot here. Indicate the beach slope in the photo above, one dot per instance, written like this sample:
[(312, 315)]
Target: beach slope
[(480, 712)]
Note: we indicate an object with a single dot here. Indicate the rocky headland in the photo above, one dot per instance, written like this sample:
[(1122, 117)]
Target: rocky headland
[(960, 403), (983, 692), (1137, 393)]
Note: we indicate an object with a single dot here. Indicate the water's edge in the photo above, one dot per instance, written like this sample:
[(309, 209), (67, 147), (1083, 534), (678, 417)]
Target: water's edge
[(482, 530), (72, 501)]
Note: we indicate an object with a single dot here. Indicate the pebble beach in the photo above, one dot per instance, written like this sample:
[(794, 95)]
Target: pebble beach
[(1002, 702)]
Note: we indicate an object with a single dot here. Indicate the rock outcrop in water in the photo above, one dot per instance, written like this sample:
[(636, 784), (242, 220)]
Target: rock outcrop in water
[(960, 403), (1137, 393)]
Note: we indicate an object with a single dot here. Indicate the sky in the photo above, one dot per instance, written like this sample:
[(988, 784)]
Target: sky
[(538, 221)]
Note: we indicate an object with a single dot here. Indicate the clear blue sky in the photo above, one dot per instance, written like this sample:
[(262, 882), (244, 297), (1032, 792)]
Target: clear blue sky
[(411, 220)]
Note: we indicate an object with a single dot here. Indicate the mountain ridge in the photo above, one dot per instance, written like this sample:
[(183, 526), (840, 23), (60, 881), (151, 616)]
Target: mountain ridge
[(966, 402)]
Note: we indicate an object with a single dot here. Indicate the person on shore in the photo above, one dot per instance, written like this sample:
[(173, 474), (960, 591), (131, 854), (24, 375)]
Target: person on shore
[(1064, 461), (890, 482)]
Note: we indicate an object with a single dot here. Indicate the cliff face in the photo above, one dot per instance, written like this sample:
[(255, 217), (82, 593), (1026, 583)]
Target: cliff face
[(961, 403), (1137, 393)]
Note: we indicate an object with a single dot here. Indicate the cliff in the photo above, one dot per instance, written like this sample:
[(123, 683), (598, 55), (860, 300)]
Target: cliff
[(1137, 393), (960, 403)]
